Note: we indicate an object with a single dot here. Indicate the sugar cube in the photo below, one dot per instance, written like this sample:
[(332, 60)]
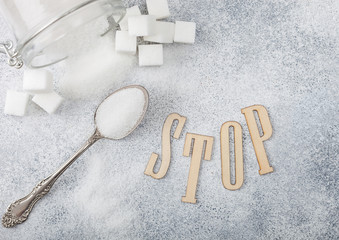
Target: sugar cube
[(158, 8), (37, 81), (164, 33), (143, 25), (125, 43), (16, 103), (132, 11), (184, 32), (151, 55), (48, 101)]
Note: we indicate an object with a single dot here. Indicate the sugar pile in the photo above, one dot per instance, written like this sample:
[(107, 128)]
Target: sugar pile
[(93, 66), (101, 195), (94, 72), (120, 112)]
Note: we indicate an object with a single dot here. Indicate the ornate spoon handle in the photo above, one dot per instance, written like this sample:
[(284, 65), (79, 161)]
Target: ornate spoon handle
[(18, 211)]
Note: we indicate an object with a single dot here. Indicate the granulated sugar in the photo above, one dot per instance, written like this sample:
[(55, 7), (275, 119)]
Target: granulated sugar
[(93, 67), (102, 193), (104, 68), (280, 54), (120, 112)]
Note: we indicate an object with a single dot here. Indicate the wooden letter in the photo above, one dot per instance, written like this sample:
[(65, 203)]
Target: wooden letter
[(258, 140), (195, 162), (165, 146), (225, 155)]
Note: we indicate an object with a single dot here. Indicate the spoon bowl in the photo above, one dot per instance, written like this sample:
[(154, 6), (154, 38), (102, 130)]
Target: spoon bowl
[(136, 112)]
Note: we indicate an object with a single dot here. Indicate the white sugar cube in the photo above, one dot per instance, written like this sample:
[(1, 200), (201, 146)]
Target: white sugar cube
[(48, 101), (132, 11), (150, 55), (16, 103), (164, 33), (37, 81), (125, 43), (184, 32), (158, 8), (143, 25)]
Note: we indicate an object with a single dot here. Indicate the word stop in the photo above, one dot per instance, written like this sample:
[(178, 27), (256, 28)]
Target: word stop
[(203, 145)]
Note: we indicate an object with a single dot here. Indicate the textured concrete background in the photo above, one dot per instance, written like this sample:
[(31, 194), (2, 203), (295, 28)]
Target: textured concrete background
[(281, 54)]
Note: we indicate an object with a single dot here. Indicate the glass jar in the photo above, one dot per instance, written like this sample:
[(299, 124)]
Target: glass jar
[(39, 25)]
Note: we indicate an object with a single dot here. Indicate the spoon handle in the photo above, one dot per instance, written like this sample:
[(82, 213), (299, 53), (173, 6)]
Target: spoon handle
[(18, 211)]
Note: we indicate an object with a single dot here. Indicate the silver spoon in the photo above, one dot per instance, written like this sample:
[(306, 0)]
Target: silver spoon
[(18, 211)]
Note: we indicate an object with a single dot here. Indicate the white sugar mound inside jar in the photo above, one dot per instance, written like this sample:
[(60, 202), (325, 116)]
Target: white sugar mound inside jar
[(118, 114)]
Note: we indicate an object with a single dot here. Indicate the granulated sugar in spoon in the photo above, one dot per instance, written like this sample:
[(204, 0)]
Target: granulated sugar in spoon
[(115, 118)]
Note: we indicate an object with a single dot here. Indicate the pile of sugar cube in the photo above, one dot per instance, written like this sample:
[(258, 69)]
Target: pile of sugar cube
[(39, 84), (134, 25)]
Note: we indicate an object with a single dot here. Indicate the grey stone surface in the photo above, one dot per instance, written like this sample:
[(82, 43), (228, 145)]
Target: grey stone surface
[(281, 54)]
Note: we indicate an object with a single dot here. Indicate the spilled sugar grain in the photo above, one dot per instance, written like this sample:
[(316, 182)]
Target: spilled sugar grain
[(120, 112), (94, 72), (101, 195)]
